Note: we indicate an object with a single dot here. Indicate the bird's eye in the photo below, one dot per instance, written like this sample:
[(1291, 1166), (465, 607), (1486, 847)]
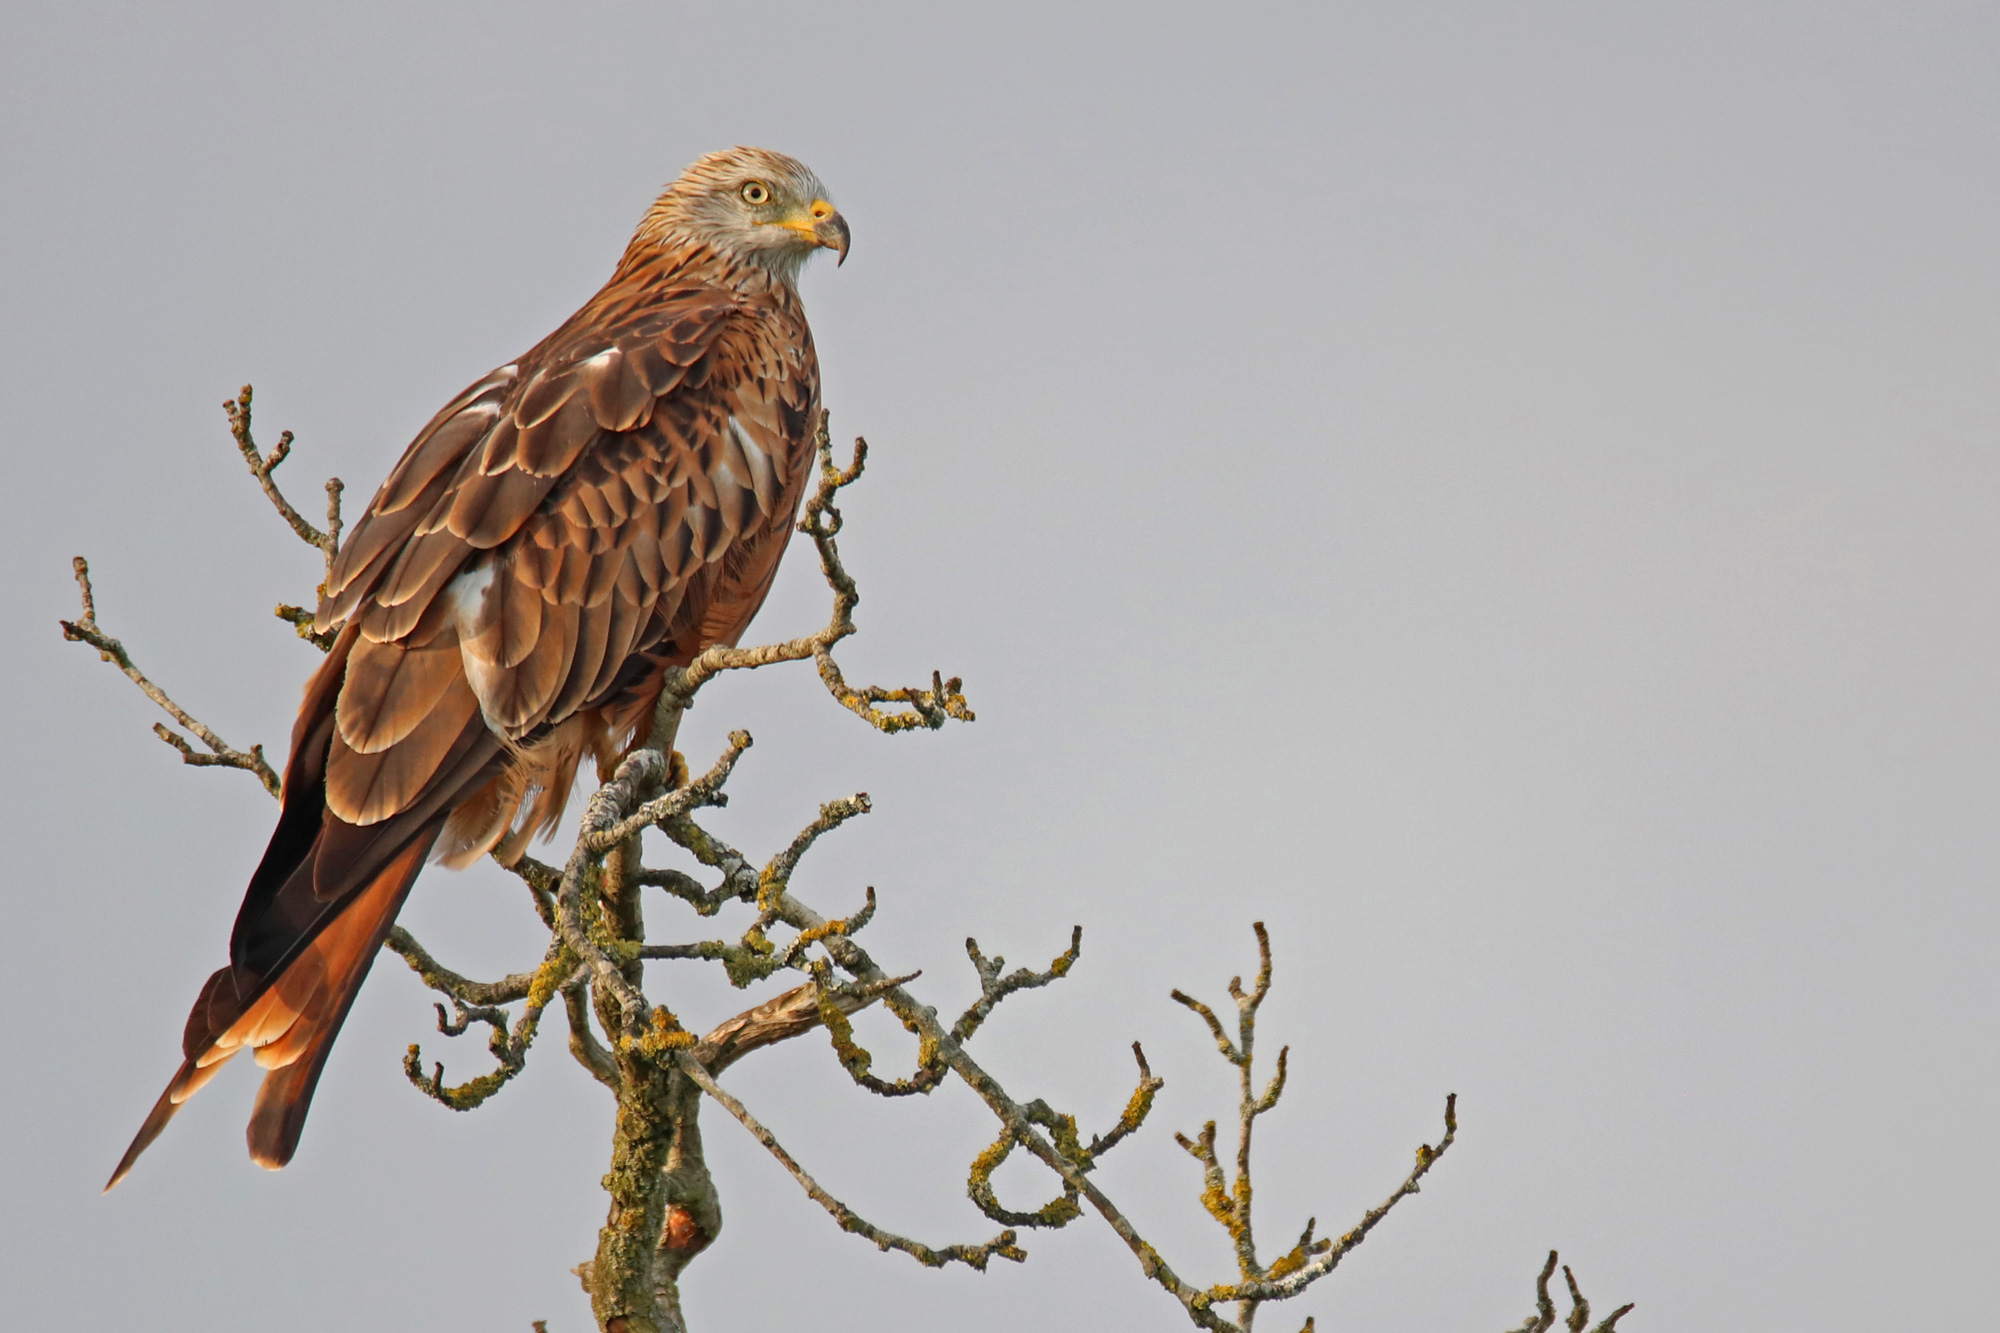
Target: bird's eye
[(755, 192)]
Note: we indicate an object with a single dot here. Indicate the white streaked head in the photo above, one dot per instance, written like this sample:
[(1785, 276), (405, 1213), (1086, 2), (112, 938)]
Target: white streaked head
[(752, 205)]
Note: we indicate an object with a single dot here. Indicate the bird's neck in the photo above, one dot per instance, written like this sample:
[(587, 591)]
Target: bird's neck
[(681, 261)]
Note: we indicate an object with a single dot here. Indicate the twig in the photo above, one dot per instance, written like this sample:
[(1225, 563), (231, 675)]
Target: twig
[(558, 972), (705, 790), (223, 755), (1544, 1317), (778, 873), (845, 926), (754, 957), (855, 1059), (327, 542), (705, 901), (974, 1256), (994, 988), (1230, 1203), (442, 979), (1136, 1109), (1291, 1284), (854, 960)]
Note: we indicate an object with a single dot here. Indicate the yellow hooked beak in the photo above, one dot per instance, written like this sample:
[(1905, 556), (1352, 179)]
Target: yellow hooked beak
[(823, 226)]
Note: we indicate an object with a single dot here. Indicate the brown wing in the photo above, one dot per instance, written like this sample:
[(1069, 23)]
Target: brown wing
[(620, 486), (617, 499)]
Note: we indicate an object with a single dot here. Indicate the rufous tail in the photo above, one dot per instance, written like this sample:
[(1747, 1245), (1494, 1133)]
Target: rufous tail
[(290, 1022)]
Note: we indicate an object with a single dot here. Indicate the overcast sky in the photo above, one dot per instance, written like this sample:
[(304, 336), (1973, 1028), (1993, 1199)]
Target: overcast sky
[(1505, 495)]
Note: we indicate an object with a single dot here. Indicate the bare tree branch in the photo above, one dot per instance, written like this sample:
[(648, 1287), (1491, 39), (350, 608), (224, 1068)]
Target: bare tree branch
[(1275, 1288), (222, 754), (791, 1014), (832, 815), (583, 1043), (327, 542), (1544, 1317), (1136, 1110), (975, 1256), (640, 773), (664, 1207), (994, 988), (441, 978), (689, 890), (703, 791), (559, 972), (1230, 1203), (1013, 1116), (854, 1058)]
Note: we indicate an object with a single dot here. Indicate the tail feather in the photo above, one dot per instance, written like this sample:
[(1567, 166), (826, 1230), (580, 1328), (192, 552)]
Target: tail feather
[(344, 952), (292, 1021), (186, 1082), (315, 913)]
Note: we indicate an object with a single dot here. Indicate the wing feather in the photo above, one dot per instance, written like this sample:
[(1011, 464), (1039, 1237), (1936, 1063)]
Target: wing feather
[(552, 445), (389, 689), (503, 631), (501, 445), (763, 477), (432, 456), (678, 536), (541, 396), (515, 696), (621, 637), (654, 369), (593, 636), (415, 573), (364, 789), (488, 508), (621, 396), (572, 581), (411, 490), (413, 619), (373, 549)]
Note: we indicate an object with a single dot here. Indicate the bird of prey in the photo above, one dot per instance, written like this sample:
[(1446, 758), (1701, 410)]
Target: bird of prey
[(606, 506)]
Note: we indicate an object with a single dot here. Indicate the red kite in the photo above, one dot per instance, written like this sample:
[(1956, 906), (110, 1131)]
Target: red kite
[(607, 506)]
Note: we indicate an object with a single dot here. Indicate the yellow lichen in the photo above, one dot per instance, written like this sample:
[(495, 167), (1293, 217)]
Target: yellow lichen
[(663, 1034)]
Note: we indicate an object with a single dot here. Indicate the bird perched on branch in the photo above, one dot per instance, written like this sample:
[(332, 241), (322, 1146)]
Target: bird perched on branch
[(605, 507)]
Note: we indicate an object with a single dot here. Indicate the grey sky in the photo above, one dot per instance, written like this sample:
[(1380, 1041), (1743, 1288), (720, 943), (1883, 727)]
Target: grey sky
[(1505, 496)]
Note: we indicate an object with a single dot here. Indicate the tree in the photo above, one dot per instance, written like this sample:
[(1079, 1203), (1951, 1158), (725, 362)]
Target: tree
[(664, 1208)]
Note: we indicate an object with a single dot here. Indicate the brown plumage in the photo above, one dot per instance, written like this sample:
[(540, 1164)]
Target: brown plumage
[(607, 505)]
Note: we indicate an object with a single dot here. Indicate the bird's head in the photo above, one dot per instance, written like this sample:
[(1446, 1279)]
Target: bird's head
[(750, 205)]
